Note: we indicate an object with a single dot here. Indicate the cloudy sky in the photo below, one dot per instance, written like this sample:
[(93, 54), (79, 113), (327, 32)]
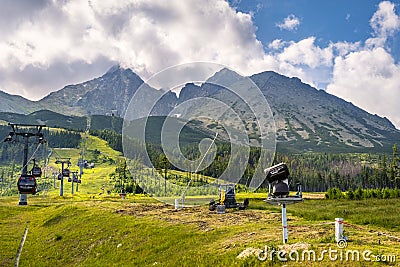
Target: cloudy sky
[(349, 48)]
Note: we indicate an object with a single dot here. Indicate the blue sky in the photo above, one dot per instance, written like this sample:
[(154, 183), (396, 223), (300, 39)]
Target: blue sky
[(349, 48), (329, 21)]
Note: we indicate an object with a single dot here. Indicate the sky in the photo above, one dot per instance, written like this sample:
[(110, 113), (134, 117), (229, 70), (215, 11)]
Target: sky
[(350, 48)]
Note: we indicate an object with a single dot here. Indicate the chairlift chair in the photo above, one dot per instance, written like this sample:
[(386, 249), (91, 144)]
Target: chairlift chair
[(36, 171), (65, 173), (27, 184)]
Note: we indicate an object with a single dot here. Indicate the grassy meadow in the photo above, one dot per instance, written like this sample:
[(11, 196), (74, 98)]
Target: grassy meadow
[(92, 228)]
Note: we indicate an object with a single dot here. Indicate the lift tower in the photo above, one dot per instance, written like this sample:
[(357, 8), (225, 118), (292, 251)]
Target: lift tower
[(64, 172), (24, 132)]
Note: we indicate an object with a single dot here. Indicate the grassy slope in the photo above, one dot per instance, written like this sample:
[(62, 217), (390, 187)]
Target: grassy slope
[(108, 231), (91, 229)]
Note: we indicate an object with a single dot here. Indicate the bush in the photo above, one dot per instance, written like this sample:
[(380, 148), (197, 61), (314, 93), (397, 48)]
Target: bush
[(358, 194), (350, 194), (395, 193), (333, 193), (386, 193)]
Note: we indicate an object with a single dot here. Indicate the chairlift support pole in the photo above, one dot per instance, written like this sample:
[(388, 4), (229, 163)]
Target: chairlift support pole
[(62, 180), (62, 162), (77, 184), (72, 185), (74, 176), (23, 198)]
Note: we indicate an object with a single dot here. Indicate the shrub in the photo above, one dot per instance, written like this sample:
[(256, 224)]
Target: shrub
[(333, 193), (385, 193), (358, 194), (350, 194)]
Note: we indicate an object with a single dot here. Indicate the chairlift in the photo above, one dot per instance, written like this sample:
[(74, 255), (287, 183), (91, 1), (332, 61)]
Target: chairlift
[(59, 176), (75, 178), (69, 179), (79, 181), (36, 171), (27, 184), (65, 173)]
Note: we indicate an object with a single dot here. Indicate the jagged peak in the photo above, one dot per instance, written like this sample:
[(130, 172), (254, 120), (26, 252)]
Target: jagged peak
[(113, 69), (119, 70)]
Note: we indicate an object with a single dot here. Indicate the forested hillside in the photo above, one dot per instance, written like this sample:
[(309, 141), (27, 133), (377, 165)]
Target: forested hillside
[(316, 171)]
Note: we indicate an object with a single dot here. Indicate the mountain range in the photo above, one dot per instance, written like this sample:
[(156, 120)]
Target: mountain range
[(306, 119)]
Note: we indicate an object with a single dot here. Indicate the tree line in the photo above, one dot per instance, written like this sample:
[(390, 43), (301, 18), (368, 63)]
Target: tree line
[(316, 171)]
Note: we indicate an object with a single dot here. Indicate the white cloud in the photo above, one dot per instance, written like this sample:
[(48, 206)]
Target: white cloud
[(371, 80), (385, 21), (47, 44), (344, 48), (146, 36), (305, 52), (290, 23), (276, 44), (368, 75)]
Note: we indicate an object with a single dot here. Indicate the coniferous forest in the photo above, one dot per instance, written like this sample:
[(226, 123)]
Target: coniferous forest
[(317, 172)]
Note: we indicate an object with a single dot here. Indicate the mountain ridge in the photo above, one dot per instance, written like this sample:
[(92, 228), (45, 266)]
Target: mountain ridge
[(307, 119)]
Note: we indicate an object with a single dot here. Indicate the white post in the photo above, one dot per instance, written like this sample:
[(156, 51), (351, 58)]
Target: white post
[(338, 229), (176, 203), (284, 224)]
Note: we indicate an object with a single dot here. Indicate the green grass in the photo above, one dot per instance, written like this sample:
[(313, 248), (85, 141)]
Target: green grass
[(108, 231), (381, 213), (91, 228)]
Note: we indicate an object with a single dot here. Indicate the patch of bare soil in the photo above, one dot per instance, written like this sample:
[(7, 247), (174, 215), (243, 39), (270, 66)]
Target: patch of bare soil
[(200, 216)]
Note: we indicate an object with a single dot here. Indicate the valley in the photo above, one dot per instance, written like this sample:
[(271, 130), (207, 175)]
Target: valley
[(345, 158)]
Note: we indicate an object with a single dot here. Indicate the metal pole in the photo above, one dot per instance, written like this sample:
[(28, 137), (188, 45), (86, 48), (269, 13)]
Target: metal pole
[(26, 146), (81, 166), (23, 198), (284, 224), (62, 180), (165, 181), (72, 190)]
